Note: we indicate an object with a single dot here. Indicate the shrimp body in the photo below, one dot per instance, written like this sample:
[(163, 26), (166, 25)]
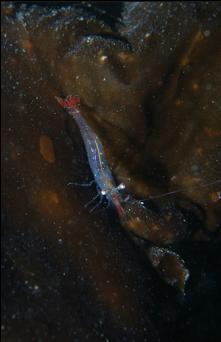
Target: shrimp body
[(95, 153), (139, 221)]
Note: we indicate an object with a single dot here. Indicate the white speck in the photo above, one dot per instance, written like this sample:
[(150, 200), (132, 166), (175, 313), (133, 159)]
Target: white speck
[(60, 240), (121, 186), (207, 33), (36, 287), (104, 79), (89, 40), (103, 58), (103, 192), (147, 35)]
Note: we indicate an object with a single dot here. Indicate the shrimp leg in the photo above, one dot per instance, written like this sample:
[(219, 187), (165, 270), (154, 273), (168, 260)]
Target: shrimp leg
[(97, 205), (107, 206), (92, 200)]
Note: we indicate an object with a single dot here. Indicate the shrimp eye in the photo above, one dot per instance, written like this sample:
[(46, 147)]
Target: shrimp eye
[(121, 186)]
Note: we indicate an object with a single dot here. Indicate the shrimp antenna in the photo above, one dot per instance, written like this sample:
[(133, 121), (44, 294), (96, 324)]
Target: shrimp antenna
[(81, 184), (182, 190)]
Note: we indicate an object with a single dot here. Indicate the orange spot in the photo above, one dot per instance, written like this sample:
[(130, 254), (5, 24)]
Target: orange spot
[(178, 103), (14, 155), (184, 61), (47, 148), (214, 196), (49, 203), (50, 197), (27, 45), (212, 133), (199, 151), (125, 57), (54, 197), (195, 86)]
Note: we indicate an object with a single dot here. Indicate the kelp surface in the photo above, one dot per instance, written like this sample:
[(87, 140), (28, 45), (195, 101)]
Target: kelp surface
[(148, 75)]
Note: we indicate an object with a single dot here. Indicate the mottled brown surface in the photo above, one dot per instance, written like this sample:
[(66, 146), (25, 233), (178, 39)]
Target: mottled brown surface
[(155, 104)]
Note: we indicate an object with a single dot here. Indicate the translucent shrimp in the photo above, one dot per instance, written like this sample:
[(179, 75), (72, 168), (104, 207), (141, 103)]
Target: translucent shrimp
[(95, 153), (141, 223)]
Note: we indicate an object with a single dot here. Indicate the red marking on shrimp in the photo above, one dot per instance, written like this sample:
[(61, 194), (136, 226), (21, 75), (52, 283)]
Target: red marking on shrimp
[(120, 210), (116, 199), (70, 102), (212, 133)]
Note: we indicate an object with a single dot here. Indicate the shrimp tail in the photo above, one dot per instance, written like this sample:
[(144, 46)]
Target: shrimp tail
[(71, 101)]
